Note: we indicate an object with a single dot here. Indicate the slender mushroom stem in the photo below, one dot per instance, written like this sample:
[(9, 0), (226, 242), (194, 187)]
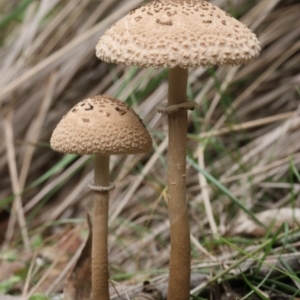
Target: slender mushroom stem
[(100, 275), (179, 278)]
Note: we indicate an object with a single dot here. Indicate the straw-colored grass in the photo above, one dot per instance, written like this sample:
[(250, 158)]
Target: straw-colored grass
[(243, 154)]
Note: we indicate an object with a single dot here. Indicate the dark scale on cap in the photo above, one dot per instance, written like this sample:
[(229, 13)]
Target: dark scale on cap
[(90, 107)]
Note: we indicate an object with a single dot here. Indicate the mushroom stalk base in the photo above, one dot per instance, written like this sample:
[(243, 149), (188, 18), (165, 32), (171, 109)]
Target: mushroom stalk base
[(179, 278), (100, 275)]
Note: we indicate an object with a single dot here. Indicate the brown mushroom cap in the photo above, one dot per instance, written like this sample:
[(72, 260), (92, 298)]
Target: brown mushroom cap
[(101, 125), (185, 33)]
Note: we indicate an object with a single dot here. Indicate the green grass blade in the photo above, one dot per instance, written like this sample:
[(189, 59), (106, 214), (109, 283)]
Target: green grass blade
[(67, 159), (294, 169), (14, 14), (254, 288), (225, 191)]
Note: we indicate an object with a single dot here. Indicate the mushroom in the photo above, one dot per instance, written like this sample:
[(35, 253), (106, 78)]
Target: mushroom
[(178, 34), (102, 126)]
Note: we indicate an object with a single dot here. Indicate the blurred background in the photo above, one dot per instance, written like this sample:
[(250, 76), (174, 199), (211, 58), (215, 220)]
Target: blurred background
[(243, 156)]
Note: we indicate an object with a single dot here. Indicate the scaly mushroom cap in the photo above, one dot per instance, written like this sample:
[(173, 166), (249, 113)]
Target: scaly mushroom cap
[(185, 33), (101, 125)]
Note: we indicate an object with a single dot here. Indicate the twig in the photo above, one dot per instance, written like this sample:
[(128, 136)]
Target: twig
[(17, 204)]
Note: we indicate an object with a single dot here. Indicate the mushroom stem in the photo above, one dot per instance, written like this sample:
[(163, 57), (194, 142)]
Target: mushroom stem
[(100, 275), (179, 278)]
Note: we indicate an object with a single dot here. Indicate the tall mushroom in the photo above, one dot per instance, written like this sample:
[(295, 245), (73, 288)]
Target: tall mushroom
[(101, 126), (178, 34)]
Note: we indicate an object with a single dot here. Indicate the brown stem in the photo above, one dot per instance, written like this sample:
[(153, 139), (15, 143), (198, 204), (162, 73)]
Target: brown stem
[(100, 231), (179, 280)]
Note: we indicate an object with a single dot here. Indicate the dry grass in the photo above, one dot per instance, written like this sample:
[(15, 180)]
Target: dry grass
[(245, 134)]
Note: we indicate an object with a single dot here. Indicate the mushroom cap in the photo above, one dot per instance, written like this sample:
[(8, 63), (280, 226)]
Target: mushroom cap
[(184, 33), (101, 125)]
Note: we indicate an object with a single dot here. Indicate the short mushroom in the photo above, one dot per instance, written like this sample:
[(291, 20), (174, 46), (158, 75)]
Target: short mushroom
[(102, 126), (178, 34)]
